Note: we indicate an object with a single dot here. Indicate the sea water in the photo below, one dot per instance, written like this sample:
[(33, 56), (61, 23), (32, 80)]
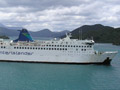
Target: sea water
[(39, 76)]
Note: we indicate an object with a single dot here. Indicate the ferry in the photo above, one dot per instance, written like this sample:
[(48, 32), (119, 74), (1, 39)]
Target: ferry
[(66, 50)]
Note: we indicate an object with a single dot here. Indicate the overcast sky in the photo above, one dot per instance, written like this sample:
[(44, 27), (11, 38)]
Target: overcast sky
[(58, 15)]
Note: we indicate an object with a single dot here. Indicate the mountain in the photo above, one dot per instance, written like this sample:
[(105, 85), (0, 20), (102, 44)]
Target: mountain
[(12, 31), (100, 33), (15, 28), (96, 27), (7, 32), (48, 33)]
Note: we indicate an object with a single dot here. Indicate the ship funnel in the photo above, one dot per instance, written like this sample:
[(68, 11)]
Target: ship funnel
[(24, 36)]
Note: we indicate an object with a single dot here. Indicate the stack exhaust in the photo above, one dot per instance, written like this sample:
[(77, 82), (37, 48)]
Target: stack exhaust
[(24, 36)]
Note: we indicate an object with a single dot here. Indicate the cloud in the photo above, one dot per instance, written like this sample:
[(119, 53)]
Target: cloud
[(59, 15)]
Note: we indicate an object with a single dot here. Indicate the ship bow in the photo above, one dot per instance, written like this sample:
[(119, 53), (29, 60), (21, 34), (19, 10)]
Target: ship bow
[(109, 57)]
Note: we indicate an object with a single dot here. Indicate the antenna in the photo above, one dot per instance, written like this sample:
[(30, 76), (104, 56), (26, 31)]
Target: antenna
[(92, 37), (81, 33)]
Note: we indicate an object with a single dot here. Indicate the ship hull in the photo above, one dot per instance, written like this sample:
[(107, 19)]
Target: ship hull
[(56, 57), (84, 63)]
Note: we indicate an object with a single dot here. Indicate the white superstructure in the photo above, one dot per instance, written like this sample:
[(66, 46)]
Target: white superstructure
[(55, 51)]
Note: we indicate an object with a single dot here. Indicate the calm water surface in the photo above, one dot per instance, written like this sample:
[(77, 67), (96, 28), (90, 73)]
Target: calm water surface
[(38, 76)]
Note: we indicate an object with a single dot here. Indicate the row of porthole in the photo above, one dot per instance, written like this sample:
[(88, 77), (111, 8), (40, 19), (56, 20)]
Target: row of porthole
[(66, 46), (40, 48)]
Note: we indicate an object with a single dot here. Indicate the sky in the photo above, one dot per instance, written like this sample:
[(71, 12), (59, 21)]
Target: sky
[(58, 15)]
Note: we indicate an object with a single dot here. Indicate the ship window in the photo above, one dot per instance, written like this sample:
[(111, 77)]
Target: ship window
[(81, 49), (76, 46), (27, 47), (49, 48), (36, 48), (52, 45), (3, 47), (90, 46), (68, 45), (71, 46), (57, 45), (17, 47), (79, 46), (65, 48), (60, 45), (30, 47), (22, 47), (63, 45), (46, 45), (49, 45), (84, 49), (84, 46), (57, 48), (14, 47)]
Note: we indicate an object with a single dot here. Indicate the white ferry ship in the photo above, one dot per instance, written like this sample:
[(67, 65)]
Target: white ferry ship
[(65, 50)]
